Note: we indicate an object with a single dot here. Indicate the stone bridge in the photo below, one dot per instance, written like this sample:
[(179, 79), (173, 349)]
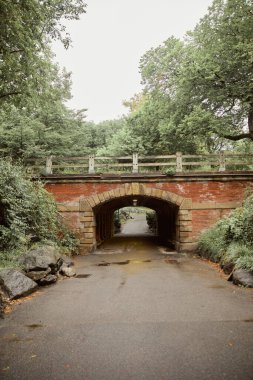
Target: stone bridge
[(185, 203)]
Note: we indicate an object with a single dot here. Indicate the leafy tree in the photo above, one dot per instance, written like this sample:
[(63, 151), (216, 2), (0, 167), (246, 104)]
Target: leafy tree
[(26, 27), (33, 118), (218, 71), (201, 88)]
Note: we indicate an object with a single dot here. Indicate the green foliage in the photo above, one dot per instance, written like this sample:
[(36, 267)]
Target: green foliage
[(151, 220), (28, 214), (198, 92), (212, 243), (231, 239)]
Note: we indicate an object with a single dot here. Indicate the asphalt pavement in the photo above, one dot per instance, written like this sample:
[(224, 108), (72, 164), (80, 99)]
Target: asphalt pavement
[(135, 311)]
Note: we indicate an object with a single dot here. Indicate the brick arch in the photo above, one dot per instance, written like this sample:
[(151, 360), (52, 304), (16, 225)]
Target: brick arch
[(133, 189), (88, 204)]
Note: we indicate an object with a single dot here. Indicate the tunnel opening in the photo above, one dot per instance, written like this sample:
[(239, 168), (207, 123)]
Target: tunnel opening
[(166, 229), (135, 221)]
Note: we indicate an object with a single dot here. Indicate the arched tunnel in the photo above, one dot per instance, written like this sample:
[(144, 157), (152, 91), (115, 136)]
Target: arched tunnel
[(166, 213)]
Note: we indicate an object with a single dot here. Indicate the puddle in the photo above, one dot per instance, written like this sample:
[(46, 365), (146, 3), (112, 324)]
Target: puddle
[(34, 326), (82, 275), (122, 262), (103, 264), (12, 338), (171, 261)]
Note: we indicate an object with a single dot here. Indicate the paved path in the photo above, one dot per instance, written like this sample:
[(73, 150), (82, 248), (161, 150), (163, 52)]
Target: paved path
[(140, 314)]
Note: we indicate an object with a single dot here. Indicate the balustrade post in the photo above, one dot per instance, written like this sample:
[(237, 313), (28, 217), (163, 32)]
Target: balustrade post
[(179, 162), (135, 163), (91, 164), (222, 162), (49, 163)]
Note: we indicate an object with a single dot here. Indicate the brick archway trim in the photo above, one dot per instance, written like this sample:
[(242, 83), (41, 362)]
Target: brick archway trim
[(132, 189)]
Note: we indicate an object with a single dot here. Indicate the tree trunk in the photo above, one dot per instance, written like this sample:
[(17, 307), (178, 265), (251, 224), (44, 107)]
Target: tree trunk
[(250, 122)]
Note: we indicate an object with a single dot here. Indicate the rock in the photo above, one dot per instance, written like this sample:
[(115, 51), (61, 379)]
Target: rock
[(16, 284), (67, 261), (49, 279), (42, 258), (2, 299), (38, 275), (243, 277), (67, 271), (227, 267), (2, 305)]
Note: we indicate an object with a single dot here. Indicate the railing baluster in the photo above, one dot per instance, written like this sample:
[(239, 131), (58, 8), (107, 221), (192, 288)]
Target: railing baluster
[(91, 164), (49, 163), (135, 163), (179, 162), (222, 161)]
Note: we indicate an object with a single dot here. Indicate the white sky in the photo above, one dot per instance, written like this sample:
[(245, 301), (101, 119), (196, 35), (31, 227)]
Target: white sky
[(108, 43)]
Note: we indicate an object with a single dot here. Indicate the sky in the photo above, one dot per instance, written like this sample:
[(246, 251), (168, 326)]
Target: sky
[(108, 42)]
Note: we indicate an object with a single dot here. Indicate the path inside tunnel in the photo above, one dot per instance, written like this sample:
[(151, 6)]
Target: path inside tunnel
[(137, 226), (134, 241)]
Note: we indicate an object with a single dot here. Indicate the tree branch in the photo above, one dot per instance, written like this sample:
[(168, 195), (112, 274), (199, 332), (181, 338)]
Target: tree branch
[(10, 94), (238, 137)]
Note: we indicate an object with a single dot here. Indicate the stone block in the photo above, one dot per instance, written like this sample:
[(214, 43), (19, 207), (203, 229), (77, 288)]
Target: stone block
[(88, 235), (96, 199), (185, 229), (122, 191), (88, 230), (86, 219), (136, 188), (128, 189), (101, 197), (84, 205), (186, 204)]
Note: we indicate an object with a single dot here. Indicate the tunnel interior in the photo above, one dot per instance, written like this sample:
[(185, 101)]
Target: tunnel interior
[(166, 214)]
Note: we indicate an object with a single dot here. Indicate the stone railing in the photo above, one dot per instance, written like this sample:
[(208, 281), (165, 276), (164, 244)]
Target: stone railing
[(176, 163)]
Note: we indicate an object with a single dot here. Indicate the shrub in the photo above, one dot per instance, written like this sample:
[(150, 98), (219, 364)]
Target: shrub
[(151, 220), (212, 243), (231, 239), (28, 214)]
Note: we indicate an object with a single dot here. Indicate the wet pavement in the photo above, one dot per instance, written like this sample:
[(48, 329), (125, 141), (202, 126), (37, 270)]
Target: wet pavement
[(134, 311)]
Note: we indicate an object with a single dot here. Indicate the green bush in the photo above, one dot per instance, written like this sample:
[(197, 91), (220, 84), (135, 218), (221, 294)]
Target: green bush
[(231, 239), (151, 220), (212, 243), (28, 214)]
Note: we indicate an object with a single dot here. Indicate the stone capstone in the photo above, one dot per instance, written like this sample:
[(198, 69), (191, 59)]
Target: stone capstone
[(41, 258), (16, 284), (243, 277)]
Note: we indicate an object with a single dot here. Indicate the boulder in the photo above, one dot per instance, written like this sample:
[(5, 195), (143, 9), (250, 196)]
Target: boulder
[(227, 267), (48, 280), (2, 299), (243, 277), (42, 258), (67, 271), (67, 261), (38, 275), (16, 284), (2, 305)]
